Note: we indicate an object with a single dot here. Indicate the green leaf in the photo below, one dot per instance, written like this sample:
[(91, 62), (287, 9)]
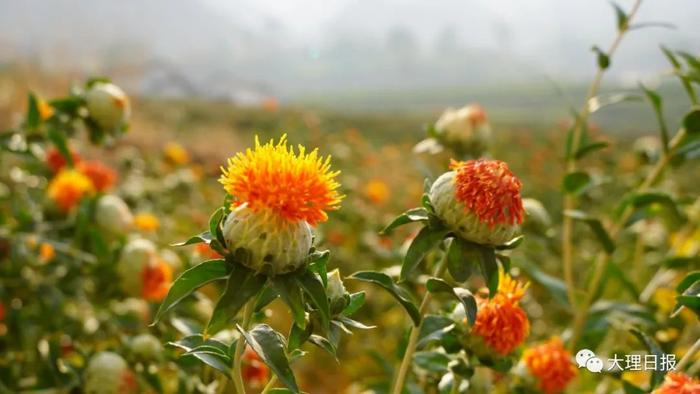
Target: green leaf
[(436, 285), (631, 389), (555, 286), (645, 199), (356, 302), (689, 289), (191, 280), (33, 117), (313, 287), (324, 344), (410, 216), (268, 295), (602, 58), (461, 259), (204, 237), (270, 346), (682, 262), (657, 104), (621, 17), (590, 148), (399, 293), (426, 239), (489, 268), (604, 100), (318, 263), (657, 375), (431, 361), (597, 228), (290, 292), (691, 122), (215, 224), (434, 327), (59, 141), (241, 286), (512, 244), (212, 352), (576, 182), (671, 57)]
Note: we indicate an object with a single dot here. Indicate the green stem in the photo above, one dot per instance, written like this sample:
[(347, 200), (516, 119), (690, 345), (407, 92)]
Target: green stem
[(567, 246), (270, 384), (236, 373), (415, 331), (688, 356), (455, 384)]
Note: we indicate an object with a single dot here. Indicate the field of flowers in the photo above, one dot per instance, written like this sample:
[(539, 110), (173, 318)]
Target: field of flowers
[(165, 246)]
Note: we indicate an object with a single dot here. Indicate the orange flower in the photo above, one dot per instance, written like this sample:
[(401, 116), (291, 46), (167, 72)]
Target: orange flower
[(45, 110), (56, 161), (270, 104), (254, 370), (68, 187), (146, 222), (204, 250), (679, 383), (376, 191), (551, 364), (272, 177), (500, 321), (46, 252), (2, 311), (101, 176), (155, 279), (490, 190)]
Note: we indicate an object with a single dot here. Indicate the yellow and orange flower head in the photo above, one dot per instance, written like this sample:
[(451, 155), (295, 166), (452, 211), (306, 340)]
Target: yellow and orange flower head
[(46, 252), (551, 364), (277, 194), (175, 153), (377, 191), (500, 321), (156, 278), (479, 200), (45, 109), (101, 176), (255, 372), (68, 187), (678, 383)]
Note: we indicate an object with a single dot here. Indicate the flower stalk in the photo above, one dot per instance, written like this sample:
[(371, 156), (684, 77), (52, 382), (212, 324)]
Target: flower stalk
[(237, 372)]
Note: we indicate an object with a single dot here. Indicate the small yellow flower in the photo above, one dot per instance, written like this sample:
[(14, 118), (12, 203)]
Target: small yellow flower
[(46, 252), (176, 153), (68, 187), (45, 110), (146, 222)]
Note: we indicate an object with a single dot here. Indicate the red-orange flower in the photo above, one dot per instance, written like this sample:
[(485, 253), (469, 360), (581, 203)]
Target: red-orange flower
[(55, 160), (156, 278), (679, 383), (101, 176), (490, 190), (551, 364), (68, 187), (500, 321), (204, 250), (254, 371), (293, 186)]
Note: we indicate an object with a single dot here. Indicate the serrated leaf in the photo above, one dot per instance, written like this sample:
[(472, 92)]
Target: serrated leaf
[(313, 287), (290, 293), (596, 226), (410, 216), (426, 239), (270, 346), (576, 182), (191, 280), (241, 286), (399, 293), (216, 359), (324, 344), (464, 296)]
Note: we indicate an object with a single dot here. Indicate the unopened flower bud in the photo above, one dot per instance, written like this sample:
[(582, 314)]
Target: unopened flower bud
[(108, 373), (336, 289), (113, 215), (136, 256), (465, 129), (108, 105), (146, 347)]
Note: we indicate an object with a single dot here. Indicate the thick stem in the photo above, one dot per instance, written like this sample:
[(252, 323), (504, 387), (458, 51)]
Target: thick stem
[(688, 356), (236, 373), (569, 201), (599, 266), (413, 337)]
